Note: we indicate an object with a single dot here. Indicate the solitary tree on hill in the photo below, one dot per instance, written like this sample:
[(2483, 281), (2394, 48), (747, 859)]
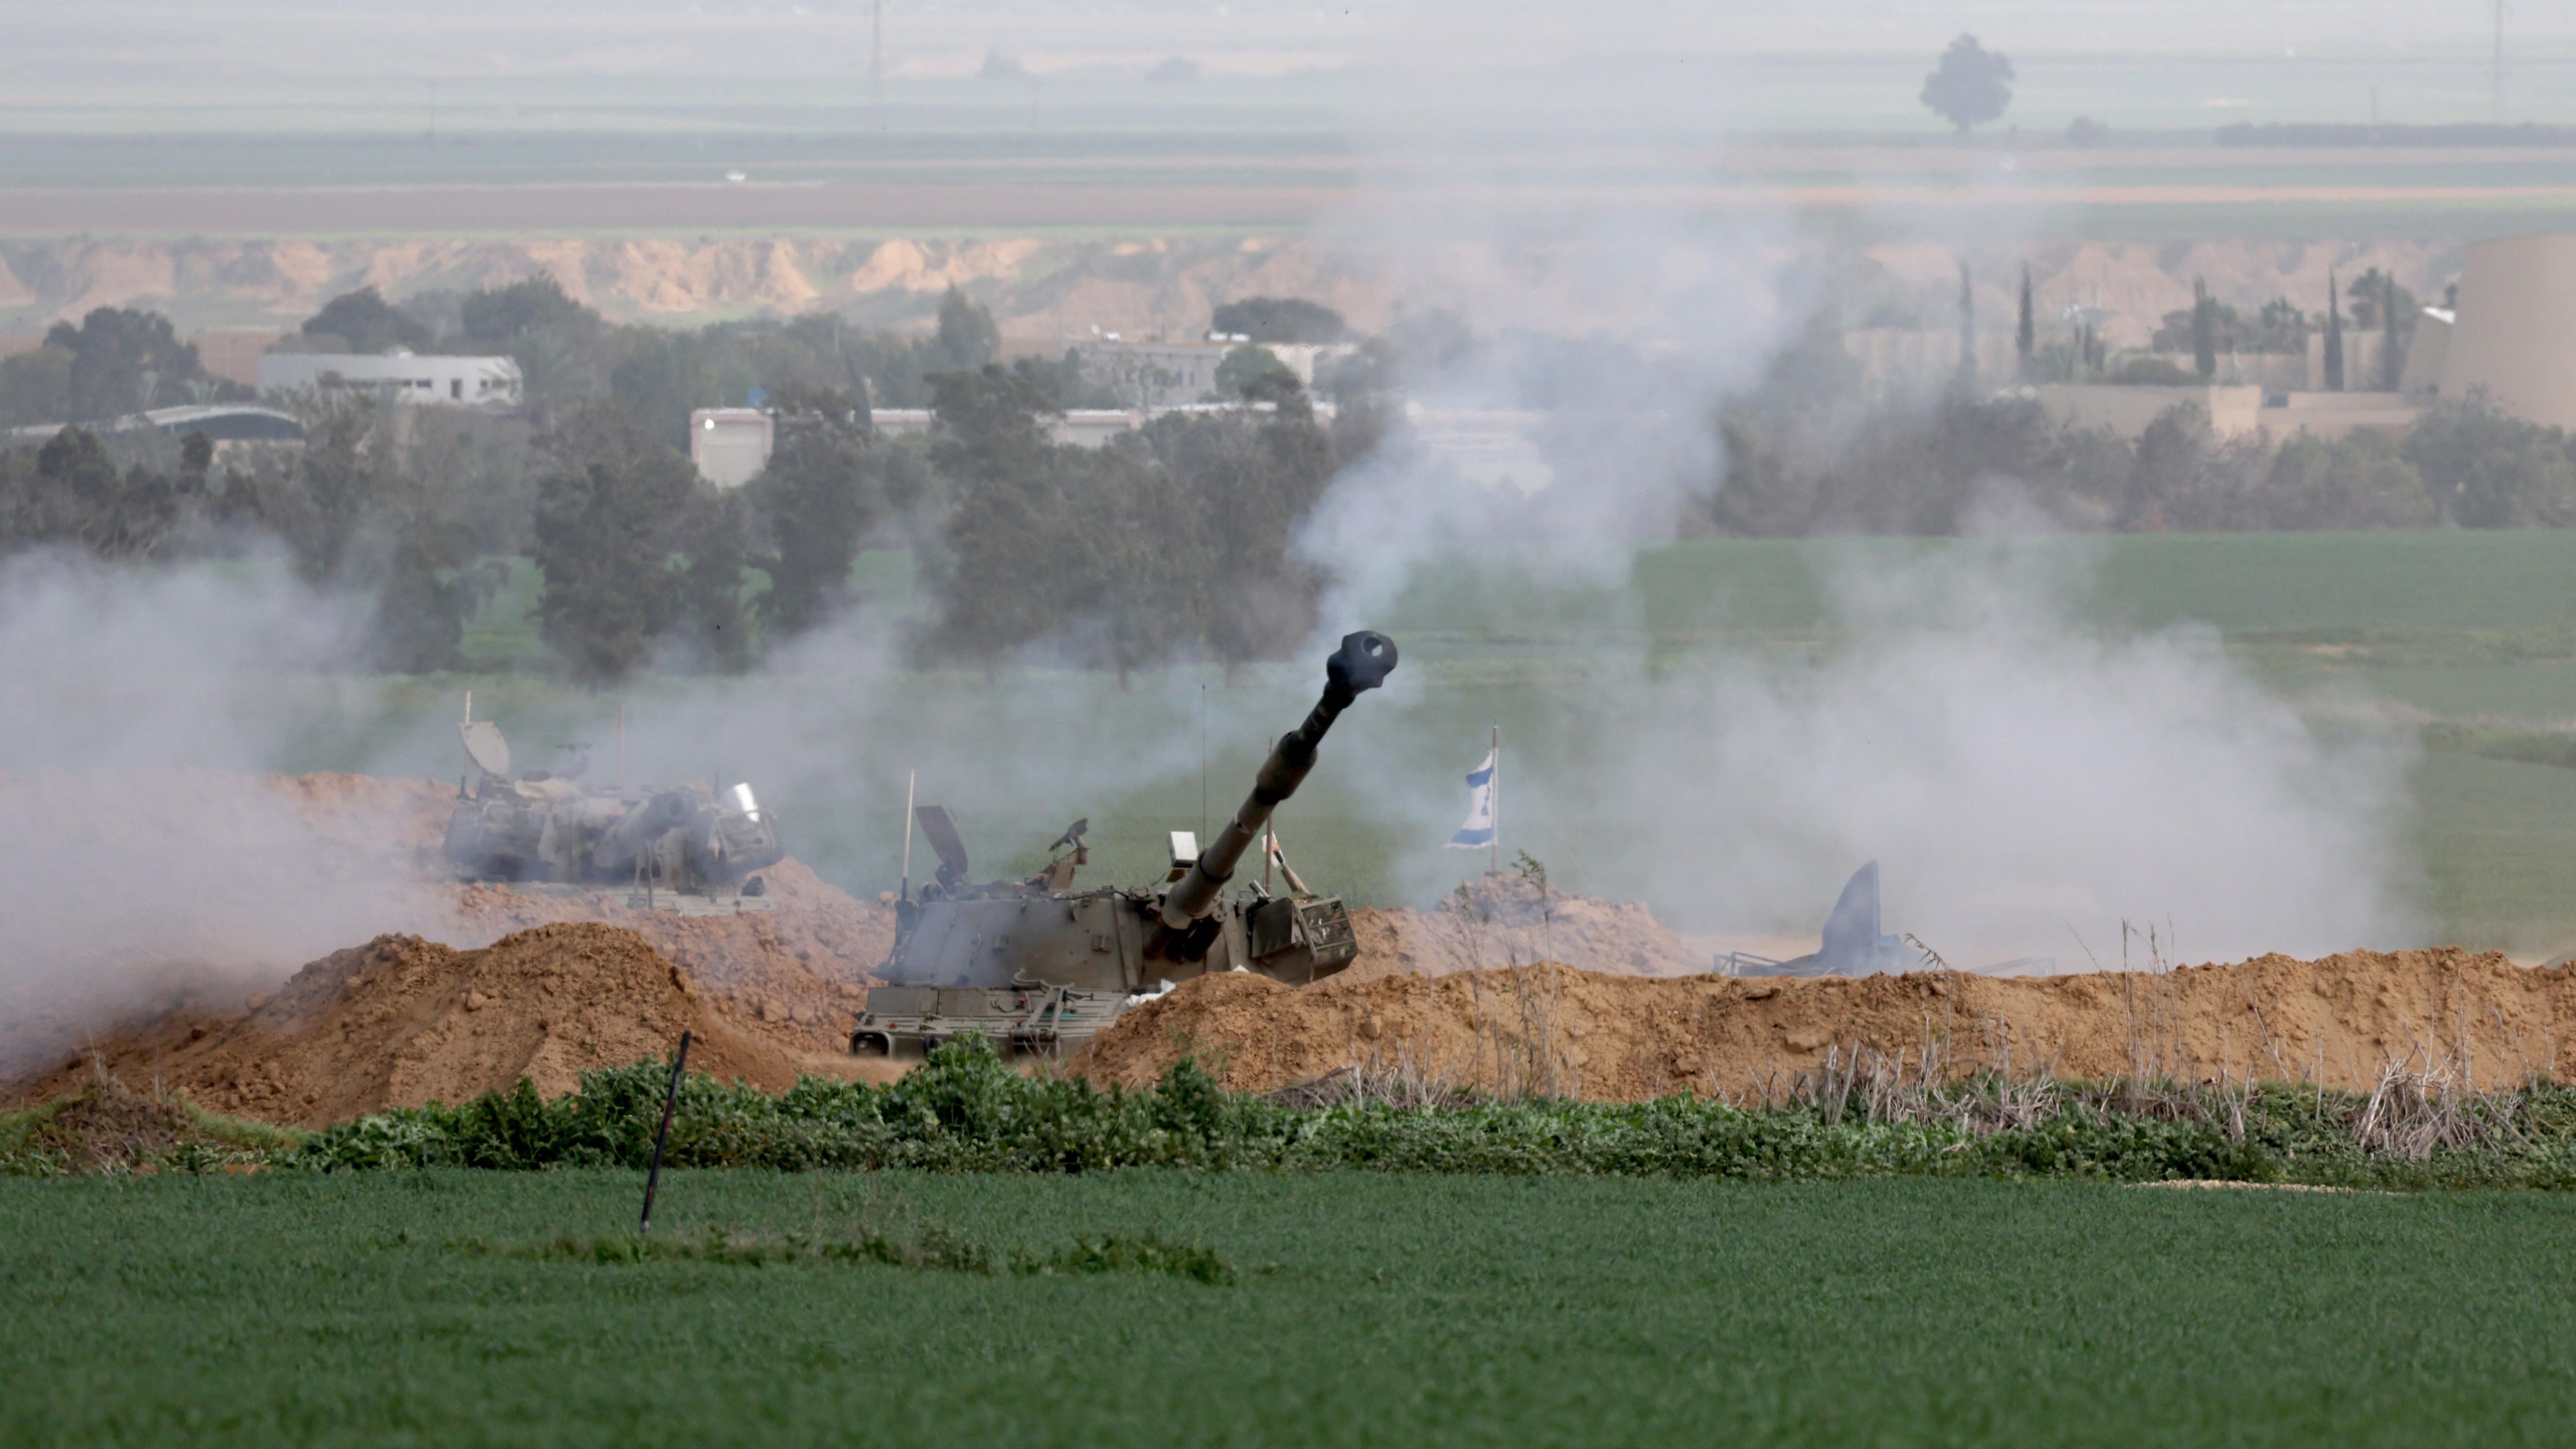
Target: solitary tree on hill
[(1970, 86)]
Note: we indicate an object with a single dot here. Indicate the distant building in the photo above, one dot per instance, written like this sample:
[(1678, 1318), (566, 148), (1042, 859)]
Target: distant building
[(399, 376), (731, 445), (1081, 427), (227, 425), (2514, 335), (1154, 375)]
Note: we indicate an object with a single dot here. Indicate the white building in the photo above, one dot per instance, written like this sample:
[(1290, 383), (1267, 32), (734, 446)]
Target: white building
[(398, 376), (731, 445)]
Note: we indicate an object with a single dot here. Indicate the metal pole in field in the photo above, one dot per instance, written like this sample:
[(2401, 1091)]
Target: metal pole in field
[(910, 779), (670, 1103)]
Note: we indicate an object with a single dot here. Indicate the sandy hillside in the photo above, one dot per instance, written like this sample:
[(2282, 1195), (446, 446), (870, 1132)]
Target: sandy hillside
[(401, 1021), (188, 892), (1625, 1038)]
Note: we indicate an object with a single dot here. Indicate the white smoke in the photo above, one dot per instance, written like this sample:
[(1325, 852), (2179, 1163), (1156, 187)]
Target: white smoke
[(2028, 781)]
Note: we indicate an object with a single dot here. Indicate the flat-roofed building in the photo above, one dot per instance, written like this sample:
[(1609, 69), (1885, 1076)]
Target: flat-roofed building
[(399, 376), (731, 445)]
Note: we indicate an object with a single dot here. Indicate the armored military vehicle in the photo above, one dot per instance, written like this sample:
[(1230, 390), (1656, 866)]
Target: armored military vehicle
[(684, 848), (1042, 966)]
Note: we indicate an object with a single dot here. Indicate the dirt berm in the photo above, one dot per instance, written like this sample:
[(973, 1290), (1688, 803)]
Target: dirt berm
[(1556, 1030), (401, 1021)]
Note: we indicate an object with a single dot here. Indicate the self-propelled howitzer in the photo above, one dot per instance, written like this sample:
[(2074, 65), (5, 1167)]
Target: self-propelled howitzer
[(1039, 965)]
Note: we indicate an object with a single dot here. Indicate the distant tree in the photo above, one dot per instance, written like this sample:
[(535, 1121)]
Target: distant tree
[(1000, 67), (1253, 373), (431, 585), (363, 321), (2085, 133), (2357, 482), (2334, 336), (2026, 326), (2372, 295), (559, 344), (2488, 470), (1969, 86), (967, 340), (1013, 556), (814, 504), (1280, 319), (607, 516), (2392, 362), (2204, 331), (499, 316), (119, 361), (713, 623), (1173, 70), (2281, 328)]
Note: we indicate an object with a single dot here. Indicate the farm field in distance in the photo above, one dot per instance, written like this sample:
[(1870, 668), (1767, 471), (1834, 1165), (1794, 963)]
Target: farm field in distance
[(1365, 1309), (2461, 643)]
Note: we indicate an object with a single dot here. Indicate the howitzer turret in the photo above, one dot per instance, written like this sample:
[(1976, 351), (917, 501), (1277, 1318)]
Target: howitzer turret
[(1037, 964)]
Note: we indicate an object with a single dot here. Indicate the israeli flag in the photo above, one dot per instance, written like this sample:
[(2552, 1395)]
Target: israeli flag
[(1478, 832)]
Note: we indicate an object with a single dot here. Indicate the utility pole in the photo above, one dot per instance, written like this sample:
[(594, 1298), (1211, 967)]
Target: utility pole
[(876, 63)]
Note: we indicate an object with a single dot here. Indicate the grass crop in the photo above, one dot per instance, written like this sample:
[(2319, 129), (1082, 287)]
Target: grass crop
[(1412, 1310)]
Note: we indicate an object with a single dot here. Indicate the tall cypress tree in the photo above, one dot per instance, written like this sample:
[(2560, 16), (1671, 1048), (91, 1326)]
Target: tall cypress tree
[(2204, 331), (2334, 335), (2390, 371), (2025, 332)]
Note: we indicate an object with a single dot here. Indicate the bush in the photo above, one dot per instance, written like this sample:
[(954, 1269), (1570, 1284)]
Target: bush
[(967, 1110)]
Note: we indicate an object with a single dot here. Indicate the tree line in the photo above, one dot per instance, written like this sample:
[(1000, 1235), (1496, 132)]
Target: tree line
[(1171, 543), (1805, 455)]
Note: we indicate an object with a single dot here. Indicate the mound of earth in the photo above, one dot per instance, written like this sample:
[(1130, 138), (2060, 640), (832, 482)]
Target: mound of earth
[(133, 897), (401, 1021), (1505, 920), (1552, 1029)]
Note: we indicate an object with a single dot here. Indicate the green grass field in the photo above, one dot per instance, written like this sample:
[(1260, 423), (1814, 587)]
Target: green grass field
[(1364, 1309)]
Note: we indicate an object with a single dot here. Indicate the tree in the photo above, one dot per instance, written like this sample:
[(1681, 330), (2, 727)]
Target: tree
[(815, 504), (1254, 373), (606, 519), (2487, 470), (2025, 327), (1970, 86), (120, 361), (2204, 331), (2334, 336), (2281, 328), (967, 340), (362, 321), (1280, 319)]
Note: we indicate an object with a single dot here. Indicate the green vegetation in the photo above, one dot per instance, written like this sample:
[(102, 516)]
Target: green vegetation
[(1365, 1309), (966, 1110)]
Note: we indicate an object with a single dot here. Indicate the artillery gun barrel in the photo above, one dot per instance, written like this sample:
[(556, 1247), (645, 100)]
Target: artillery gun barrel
[(1362, 663)]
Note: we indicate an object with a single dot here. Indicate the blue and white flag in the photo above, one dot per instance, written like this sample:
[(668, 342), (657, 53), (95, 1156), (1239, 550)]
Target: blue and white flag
[(1478, 832)]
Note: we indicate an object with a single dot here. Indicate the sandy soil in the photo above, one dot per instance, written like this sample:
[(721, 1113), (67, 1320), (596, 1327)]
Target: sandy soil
[(1628, 1038)]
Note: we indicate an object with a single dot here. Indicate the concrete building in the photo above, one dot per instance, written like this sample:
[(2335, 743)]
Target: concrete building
[(2514, 336), (398, 376), (731, 445), (1153, 375), (2234, 412), (1082, 427)]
